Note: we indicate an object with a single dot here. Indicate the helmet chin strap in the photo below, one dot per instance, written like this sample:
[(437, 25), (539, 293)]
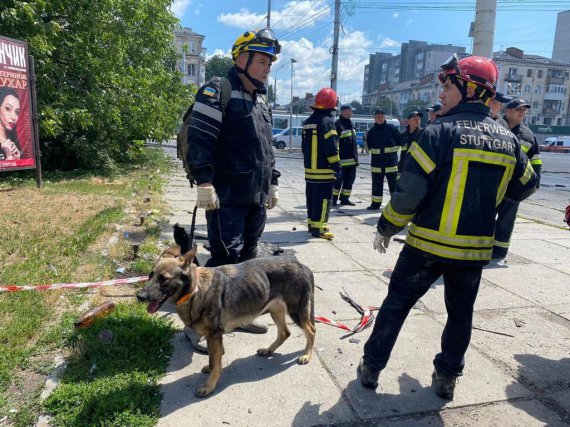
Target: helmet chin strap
[(259, 85), (462, 88)]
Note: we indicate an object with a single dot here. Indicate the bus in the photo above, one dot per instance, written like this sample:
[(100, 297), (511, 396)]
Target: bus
[(361, 123)]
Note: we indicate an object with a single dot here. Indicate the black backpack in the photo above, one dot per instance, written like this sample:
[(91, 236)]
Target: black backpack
[(182, 140)]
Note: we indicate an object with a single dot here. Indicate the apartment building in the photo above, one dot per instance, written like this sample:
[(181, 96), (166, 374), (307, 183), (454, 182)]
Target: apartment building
[(192, 56), (541, 81)]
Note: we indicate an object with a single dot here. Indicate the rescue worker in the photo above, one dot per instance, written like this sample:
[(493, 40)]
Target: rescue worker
[(507, 211), (231, 156), (348, 152), (497, 105), (322, 162), (434, 111), (383, 141), (454, 176), (409, 135)]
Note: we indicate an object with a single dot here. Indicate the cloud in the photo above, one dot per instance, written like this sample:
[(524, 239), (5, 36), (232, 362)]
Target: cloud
[(219, 52), (388, 43), (294, 16), (179, 7), (395, 15)]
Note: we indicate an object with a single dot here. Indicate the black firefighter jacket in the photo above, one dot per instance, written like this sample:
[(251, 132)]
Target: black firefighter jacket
[(320, 147), (407, 139), (383, 142), (453, 179), (347, 145), (529, 145), (232, 150)]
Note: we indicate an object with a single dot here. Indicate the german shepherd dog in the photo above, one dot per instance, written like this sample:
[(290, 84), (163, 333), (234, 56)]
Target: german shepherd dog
[(214, 301)]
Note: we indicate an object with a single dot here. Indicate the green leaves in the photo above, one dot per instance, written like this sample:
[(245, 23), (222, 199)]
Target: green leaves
[(106, 75)]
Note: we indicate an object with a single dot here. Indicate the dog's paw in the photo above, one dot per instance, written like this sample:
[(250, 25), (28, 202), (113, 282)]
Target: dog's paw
[(304, 359), (204, 391), (206, 369), (264, 352)]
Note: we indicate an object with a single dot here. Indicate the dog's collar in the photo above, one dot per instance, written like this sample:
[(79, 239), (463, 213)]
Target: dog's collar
[(185, 294)]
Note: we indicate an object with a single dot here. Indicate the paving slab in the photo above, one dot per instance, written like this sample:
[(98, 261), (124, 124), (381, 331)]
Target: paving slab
[(490, 297), (537, 349), (380, 265), (405, 384), (534, 282), (323, 255), (518, 413), (273, 391), (562, 310), (544, 252)]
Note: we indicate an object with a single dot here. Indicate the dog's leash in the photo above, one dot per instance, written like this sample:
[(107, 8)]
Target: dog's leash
[(367, 317)]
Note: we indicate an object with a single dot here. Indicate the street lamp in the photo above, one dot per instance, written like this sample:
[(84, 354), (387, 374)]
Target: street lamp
[(291, 110)]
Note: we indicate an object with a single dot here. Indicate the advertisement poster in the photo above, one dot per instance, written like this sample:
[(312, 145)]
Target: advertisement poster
[(17, 150)]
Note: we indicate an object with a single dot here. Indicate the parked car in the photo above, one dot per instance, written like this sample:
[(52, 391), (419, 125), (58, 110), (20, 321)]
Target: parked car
[(281, 140), (557, 144)]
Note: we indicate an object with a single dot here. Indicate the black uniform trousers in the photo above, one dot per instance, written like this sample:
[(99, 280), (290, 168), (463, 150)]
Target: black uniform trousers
[(378, 184), (343, 185), (233, 233), (506, 216), (318, 198), (411, 279)]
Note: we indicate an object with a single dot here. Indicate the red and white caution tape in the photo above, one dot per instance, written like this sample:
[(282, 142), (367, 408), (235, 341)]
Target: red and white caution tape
[(331, 322), (367, 317), (125, 281)]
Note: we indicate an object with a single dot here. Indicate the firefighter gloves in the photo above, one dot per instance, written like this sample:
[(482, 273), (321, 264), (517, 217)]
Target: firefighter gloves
[(381, 243), (273, 196), (207, 198)]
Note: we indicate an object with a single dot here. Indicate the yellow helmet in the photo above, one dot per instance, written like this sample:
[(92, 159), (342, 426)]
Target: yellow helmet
[(263, 41)]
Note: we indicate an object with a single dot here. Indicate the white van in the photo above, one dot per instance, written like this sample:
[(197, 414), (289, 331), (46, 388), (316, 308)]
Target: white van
[(556, 144), (281, 140)]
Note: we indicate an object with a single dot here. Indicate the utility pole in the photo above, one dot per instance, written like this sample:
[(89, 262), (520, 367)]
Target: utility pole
[(268, 13), (291, 109), (484, 28), (334, 68)]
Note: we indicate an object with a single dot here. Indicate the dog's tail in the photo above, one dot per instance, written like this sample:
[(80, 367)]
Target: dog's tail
[(312, 280)]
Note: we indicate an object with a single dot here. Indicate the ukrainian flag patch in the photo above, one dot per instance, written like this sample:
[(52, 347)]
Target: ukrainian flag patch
[(209, 91)]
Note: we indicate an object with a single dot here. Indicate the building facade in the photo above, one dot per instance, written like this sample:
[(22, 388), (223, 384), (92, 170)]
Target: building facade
[(192, 56)]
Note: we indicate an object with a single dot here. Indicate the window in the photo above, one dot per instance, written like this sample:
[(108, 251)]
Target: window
[(540, 74), (512, 71), (526, 89), (538, 90), (529, 72), (559, 122), (192, 46), (547, 121), (533, 120), (191, 69), (535, 105)]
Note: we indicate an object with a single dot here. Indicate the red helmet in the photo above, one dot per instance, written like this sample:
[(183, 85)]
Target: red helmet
[(326, 99), (475, 69)]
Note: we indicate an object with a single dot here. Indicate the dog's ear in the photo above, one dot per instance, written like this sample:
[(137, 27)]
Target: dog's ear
[(188, 257)]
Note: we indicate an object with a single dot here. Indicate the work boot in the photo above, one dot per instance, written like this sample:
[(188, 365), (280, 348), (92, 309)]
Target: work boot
[(324, 234), (198, 342), (373, 206), (256, 326), (346, 202), (444, 385), (368, 375)]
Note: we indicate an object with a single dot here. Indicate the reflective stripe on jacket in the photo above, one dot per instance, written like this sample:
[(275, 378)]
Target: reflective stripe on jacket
[(347, 146), (383, 142), (320, 147)]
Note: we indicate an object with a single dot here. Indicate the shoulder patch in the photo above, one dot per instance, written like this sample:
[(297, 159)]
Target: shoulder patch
[(209, 91)]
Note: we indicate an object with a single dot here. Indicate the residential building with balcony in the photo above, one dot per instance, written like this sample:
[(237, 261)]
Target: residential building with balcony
[(192, 56), (541, 81)]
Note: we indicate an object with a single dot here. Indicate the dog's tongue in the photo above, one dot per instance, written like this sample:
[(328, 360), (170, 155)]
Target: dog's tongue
[(153, 306)]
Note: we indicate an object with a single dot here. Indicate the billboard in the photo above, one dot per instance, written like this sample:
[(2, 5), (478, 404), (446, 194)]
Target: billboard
[(17, 143)]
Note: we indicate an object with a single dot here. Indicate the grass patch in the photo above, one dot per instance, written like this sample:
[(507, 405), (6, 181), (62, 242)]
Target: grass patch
[(59, 234)]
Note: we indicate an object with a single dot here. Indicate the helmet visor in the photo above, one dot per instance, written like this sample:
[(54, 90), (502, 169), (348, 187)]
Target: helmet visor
[(267, 37)]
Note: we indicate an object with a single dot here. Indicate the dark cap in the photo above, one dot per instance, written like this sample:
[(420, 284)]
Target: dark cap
[(501, 97), (379, 111), (346, 107), (415, 114), (517, 103), (434, 108)]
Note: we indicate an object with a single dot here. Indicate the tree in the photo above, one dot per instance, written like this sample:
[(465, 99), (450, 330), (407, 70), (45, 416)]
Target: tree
[(271, 95), (106, 76), (387, 105), (218, 66), (416, 105), (357, 107)]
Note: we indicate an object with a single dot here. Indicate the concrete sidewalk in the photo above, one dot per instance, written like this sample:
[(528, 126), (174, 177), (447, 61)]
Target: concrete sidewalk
[(517, 367)]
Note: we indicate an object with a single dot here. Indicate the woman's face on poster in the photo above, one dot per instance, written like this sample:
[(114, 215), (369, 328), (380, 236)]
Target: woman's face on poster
[(9, 112)]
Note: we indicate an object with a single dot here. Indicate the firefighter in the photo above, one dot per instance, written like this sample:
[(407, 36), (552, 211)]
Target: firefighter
[(231, 156), (322, 162), (348, 152), (383, 141), (454, 176), (410, 135), (434, 111), (497, 105), (507, 210)]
